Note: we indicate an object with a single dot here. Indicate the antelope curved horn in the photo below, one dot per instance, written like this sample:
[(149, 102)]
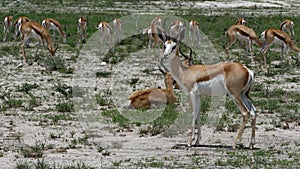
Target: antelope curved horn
[(161, 70), (190, 58)]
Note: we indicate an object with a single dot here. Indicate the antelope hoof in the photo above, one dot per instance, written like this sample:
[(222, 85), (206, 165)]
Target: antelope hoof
[(251, 146)]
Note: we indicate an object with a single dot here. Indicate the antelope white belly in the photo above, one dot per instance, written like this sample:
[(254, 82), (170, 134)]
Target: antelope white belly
[(277, 41), (53, 27), (213, 87), (242, 37), (34, 35)]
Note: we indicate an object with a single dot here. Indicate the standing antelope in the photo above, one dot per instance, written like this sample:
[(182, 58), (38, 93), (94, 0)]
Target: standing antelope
[(152, 97), (233, 79), (117, 27), (149, 34), (7, 25), (244, 33), (82, 28), (18, 22), (271, 36), (52, 24), (35, 30), (156, 22), (105, 33), (287, 25), (194, 33), (174, 28)]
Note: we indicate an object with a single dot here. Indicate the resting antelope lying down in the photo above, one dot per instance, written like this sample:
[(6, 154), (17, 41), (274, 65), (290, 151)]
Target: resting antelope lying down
[(153, 97)]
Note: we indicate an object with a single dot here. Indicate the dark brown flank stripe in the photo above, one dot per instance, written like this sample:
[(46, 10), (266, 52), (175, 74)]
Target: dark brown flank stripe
[(37, 31), (204, 79), (242, 32), (279, 36), (54, 23), (283, 24)]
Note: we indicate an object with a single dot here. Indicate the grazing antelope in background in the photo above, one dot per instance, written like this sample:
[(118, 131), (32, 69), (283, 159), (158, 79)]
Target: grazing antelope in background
[(37, 31), (271, 36), (82, 28), (156, 22), (194, 33), (240, 21), (244, 33), (105, 33), (149, 34), (153, 97), (7, 25), (18, 22), (174, 28), (52, 24), (287, 25), (117, 27), (233, 79)]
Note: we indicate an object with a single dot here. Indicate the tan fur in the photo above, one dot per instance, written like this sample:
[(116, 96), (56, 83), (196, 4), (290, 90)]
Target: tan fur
[(156, 96), (270, 35), (194, 33), (18, 22), (240, 21), (174, 28), (7, 24), (117, 26), (82, 28), (234, 30), (237, 83), (156, 22), (47, 24), (105, 33), (27, 30), (287, 25)]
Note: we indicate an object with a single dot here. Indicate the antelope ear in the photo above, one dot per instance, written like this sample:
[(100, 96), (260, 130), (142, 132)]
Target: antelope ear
[(160, 34)]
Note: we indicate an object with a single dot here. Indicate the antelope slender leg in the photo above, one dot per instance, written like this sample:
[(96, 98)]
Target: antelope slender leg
[(229, 44), (195, 101), (241, 130), (253, 123), (198, 108)]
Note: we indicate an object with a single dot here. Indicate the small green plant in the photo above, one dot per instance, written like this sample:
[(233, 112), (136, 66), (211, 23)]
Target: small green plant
[(65, 107), (55, 63), (103, 74), (25, 88), (36, 151), (64, 90), (133, 81), (14, 103), (102, 101), (116, 117), (57, 117)]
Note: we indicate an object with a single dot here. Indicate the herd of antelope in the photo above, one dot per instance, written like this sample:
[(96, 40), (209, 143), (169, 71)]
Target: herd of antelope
[(26, 29), (227, 78)]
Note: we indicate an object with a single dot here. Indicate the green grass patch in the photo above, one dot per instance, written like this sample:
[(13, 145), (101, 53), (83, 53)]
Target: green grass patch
[(116, 117), (65, 107)]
